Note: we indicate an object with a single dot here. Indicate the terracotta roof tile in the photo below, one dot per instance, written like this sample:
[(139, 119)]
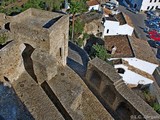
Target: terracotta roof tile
[(107, 11), (122, 43), (93, 2), (128, 46), (140, 48), (128, 20), (121, 18), (124, 19)]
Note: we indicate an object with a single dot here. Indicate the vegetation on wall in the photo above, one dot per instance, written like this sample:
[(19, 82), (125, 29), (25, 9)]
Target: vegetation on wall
[(100, 52), (80, 41), (151, 100), (3, 38)]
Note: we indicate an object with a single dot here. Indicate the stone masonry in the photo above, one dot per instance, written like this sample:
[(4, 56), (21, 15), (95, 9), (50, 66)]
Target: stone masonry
[(108, 86), (34, 64), (40, 29)]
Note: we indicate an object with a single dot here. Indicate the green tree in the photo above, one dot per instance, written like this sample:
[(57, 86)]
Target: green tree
[(100, 52), (78, 6), (51, 5)]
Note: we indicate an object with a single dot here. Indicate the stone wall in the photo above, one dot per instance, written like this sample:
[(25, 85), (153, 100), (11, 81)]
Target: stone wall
[(23, 15), (79, 102), (44, 65), (23, 33), (59, 39), (156, 75), (155, 91), (33, 63), (29, 28), (42, 13), (35, 99), (11, 62), (4, 19), (109, 86)]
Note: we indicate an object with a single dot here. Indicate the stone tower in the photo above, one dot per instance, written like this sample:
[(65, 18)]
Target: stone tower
[(45, 30)]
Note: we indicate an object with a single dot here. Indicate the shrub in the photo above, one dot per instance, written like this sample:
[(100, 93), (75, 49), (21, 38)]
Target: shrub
[(100, 52), (156, 107)]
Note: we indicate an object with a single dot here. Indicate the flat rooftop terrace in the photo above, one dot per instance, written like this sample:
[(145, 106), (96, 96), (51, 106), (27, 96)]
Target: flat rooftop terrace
[(37, 18)]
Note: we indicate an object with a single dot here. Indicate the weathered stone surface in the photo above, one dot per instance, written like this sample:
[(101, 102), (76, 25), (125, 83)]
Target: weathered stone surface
[(156, 75), (11, 62), (2, 20), (59, 39), (35, 99), (109, 86), (45, 65), (76, 98), (155, 90), (104, 68), (45, 30)]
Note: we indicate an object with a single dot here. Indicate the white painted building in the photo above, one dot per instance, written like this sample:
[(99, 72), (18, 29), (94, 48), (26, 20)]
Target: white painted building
[(66, 5), (93, 5), (150, 5), (132, 77), (135, 60), (143, 5), (113, 26)]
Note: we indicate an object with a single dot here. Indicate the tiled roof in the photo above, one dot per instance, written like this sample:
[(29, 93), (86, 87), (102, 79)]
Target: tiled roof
[(92, 2), (124, 19), (111, 18), (121, 18), (128, 20), (128, 46), (142, 50), (107, 11), (122, 43)]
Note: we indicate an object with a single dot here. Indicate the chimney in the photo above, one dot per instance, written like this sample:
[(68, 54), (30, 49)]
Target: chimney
[(114, 48)]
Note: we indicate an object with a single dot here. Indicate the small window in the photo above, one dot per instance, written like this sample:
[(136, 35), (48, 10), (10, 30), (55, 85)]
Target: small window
[(60, 52), (107, 30), (155, 0), (150, 1), (156, 7), (148, 8), (152, 7), (7, 26)]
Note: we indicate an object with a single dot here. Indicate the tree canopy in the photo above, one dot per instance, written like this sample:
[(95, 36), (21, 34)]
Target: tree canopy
[(100, 52), (13, 6)]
